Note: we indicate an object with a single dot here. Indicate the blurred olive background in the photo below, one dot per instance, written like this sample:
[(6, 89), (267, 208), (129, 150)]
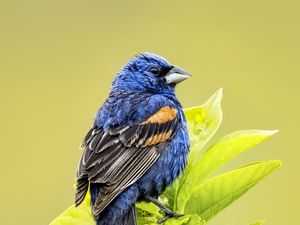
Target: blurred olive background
[(57, 60)]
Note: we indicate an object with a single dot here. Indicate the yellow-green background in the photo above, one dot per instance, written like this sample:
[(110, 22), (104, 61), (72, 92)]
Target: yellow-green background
[(57, 60)]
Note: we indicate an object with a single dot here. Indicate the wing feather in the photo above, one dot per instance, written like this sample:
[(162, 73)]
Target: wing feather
[(117, 158)]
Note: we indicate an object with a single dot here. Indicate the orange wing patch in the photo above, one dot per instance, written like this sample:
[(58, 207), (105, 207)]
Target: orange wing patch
[(164, 115), (157, 138), (161, 130)]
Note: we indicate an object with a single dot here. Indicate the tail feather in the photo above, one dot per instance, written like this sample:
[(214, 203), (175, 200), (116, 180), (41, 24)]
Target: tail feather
[(109, 219), (81, 190), (121, 211), (131, 217)]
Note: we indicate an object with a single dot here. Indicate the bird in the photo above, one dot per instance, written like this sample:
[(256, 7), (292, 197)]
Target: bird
[(138, 144)]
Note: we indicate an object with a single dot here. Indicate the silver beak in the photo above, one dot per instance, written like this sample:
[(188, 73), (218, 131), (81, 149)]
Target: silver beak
[(176, 75)]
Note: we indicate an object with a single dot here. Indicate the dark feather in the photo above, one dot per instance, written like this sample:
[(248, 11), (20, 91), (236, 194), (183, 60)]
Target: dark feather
[(131, 217), (82, 188), (119, 157)]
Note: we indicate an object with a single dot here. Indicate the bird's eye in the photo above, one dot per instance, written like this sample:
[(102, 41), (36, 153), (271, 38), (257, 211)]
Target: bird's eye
[(154, 70)]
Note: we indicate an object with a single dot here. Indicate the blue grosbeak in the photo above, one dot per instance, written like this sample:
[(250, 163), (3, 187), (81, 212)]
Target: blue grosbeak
[(138, 144)]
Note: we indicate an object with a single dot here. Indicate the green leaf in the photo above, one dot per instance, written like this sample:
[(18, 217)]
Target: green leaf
[(259, 222), (150, 208), (195, 220), (202, 121), (170, 193), (185, 220), (144, 220), (224, 150), (80, 215), (147, 213), (178, 221), (212, 196)]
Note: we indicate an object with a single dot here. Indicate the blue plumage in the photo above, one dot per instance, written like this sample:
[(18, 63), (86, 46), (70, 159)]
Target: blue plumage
[(141, 113)]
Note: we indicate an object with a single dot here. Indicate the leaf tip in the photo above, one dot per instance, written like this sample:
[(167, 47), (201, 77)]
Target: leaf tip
[(258, 222), (271, 132), (215, 99), (266, 133), (220, 89), (219, 93), (278, 163)]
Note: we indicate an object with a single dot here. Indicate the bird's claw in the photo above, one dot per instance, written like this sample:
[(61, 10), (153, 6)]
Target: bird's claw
[(169, 215)]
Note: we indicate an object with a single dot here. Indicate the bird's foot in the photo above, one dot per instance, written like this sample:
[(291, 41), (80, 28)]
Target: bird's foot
[(168, 213), (168, 216)]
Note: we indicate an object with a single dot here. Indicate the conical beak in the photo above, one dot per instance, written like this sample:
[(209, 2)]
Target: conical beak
[(176, 75)]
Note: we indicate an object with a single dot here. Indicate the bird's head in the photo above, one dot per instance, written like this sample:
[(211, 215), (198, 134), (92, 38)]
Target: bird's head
[(149, 72)]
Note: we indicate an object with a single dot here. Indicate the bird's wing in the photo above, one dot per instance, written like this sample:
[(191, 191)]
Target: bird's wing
[(119, 157)]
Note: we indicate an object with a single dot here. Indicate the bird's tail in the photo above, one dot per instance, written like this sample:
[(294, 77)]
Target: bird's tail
[(130, 218)]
